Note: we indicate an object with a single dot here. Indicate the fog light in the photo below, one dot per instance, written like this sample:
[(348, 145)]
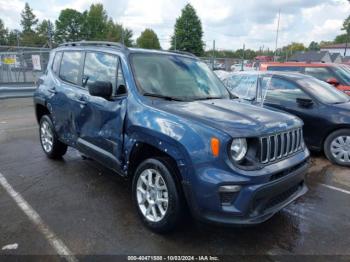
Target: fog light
[(230, 188)]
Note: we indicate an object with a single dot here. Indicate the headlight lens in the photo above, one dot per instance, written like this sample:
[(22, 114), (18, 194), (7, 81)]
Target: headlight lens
[(238, 149)]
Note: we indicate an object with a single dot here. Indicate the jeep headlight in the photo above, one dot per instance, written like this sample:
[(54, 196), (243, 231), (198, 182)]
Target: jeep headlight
[(238, 149)]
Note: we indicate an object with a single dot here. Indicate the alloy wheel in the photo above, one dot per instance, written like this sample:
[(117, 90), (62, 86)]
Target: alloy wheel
[(152, 195), (46, 136)]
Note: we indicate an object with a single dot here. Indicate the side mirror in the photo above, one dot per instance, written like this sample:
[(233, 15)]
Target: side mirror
[(101, 88), (304, 102), (332, 81), (121, 90)]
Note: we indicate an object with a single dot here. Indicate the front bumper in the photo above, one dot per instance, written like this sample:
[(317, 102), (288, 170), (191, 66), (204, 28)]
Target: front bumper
[(257, 200)]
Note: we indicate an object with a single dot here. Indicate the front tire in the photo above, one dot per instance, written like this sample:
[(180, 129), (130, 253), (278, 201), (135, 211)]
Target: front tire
[(337, 147), (157, 196), (50, 144)]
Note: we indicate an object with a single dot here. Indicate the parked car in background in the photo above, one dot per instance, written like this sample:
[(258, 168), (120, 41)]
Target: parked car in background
[(166, 121), (324, 109), (333, 74)]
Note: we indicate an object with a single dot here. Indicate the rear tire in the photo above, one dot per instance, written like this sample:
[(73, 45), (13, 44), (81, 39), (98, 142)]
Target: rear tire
[(50, 144), (157, 195), (337, 147)]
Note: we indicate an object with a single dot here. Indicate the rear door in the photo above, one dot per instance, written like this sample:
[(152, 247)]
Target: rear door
[(101, 121), (282, 94), (65, 88)]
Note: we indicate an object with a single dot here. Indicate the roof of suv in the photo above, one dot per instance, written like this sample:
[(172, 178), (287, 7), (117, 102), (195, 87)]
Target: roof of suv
[(264, 65), (122, 48), (286, 74)]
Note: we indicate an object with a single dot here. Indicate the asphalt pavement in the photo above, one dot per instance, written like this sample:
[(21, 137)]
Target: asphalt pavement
[(88, 209)]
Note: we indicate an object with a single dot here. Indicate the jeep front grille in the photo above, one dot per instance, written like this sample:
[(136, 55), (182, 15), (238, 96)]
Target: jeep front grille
[(280, 145)]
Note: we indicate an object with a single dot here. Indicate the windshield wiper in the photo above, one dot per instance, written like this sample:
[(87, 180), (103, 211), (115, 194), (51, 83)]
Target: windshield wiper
[(209, 97), (170, 98)]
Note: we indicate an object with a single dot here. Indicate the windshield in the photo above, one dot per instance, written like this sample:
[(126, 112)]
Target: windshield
[(326, 93), (343, 74), (176, 77)]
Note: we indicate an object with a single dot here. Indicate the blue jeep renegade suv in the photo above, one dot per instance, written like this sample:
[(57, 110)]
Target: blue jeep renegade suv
[(166, 121)]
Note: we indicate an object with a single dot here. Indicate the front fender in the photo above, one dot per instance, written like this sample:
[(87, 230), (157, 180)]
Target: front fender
[(162, 142)]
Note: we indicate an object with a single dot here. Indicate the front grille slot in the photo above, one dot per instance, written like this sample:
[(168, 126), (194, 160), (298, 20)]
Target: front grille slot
[(280, 145)]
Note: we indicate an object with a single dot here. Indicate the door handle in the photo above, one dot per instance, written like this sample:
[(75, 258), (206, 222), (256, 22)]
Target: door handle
[(82, 100), (52, 90)]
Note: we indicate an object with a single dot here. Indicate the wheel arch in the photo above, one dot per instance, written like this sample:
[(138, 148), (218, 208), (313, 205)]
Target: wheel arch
[(331, 131), (40, 111)]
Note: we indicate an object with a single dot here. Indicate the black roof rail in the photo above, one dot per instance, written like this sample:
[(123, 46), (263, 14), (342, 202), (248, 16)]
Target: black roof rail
[(95, 43), (182, 52)]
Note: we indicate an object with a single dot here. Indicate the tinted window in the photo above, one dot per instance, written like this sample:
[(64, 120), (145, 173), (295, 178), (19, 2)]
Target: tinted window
[(323, 91), (56, 63), (321, 73), (70, 67), (176, 76), (100, 67), (285, 68), (280, 90), (243, 86)]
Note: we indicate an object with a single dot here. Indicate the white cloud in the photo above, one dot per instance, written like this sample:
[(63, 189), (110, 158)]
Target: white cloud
[(230, 22)]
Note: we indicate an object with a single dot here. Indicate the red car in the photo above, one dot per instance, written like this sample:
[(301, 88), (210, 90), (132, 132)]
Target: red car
[(334, 74)]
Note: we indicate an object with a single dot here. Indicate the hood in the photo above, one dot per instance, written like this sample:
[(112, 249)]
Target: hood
[(342, 106), (236, 118)]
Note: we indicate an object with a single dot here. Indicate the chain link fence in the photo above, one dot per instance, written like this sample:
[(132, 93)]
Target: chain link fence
[(22, 66)]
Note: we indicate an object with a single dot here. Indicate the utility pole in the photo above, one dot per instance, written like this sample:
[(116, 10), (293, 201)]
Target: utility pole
[(175, 41), (123, 35), (242, 64), (213, 62), (347, 41), (49, 33), (17, 37), (277, 31)]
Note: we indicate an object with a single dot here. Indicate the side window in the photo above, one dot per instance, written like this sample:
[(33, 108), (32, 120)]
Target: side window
[(70, 67), (321, 73), (100, 67), (56, 63), (281, 90), (243, 86)]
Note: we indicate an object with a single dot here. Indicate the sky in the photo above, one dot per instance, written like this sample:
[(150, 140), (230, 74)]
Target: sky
[(231, 23)]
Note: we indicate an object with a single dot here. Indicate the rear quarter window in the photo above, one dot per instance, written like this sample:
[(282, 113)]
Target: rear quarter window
[(56, 62), (70, 67)]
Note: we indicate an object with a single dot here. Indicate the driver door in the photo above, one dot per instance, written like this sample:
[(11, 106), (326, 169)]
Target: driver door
[(283, 95), (101, 121)]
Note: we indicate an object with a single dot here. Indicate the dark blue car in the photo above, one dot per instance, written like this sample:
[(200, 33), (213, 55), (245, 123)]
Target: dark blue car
[(166, 121), (324, 109)]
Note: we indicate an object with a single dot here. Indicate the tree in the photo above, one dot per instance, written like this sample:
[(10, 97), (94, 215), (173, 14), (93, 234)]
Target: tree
[(28, 20), (44, 32), (69, 26), (117, 33), (340, 39), (13, 37), (148, 39), (3, 33), (96, 23), (346, 25), (314, 46), (188, 32)]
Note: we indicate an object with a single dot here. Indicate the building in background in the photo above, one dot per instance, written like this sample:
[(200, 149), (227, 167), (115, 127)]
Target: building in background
[(311, 56), (337, 48), (336, 57)]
